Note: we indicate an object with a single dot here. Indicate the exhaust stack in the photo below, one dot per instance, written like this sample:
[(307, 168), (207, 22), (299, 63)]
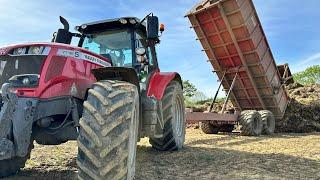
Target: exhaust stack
[(63, 35)]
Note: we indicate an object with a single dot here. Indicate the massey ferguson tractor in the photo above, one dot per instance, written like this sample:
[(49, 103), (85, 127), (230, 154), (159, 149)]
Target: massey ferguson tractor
[(107, 93)]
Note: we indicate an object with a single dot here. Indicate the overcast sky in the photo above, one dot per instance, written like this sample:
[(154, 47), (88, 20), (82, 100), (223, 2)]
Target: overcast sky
[(292, 28)]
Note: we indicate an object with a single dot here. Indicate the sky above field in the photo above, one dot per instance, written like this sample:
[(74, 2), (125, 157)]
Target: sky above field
[(292, 28)]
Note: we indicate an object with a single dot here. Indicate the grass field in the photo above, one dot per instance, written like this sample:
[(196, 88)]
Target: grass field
[(229, 156)]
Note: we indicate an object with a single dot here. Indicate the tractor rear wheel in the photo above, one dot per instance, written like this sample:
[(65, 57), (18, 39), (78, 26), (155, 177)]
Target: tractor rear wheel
[(208, 128), (12, 166), (107, 140), (251, 123), (174, 120), (268, 121)]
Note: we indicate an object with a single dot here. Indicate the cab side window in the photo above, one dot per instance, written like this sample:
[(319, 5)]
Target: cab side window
[(150, 56)]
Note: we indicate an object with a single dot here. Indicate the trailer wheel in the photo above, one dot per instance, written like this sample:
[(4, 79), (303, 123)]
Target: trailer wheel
[(268, 121), (251, 123), (12, 166), (208, 128), (228, 128), (174, 120), (107, 140)]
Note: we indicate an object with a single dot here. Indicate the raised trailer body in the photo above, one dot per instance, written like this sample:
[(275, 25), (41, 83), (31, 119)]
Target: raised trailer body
[(233, 39)]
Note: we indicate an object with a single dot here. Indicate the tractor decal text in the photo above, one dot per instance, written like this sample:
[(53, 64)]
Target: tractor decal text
[(82, 56)]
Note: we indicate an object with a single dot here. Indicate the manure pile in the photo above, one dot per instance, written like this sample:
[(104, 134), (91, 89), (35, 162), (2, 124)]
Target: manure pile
[(303, 112)]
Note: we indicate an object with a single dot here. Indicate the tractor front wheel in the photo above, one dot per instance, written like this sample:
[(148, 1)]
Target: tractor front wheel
[(174, 120), (12, 166), (107, 141)]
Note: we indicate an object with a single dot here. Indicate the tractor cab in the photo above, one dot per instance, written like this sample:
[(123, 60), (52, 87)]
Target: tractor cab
[(127, 42)]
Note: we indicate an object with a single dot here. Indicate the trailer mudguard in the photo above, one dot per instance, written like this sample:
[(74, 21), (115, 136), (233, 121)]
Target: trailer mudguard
[(159, 81)]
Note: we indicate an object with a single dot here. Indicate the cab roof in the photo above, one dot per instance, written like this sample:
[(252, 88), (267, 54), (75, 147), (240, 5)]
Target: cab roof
[(110, 24)]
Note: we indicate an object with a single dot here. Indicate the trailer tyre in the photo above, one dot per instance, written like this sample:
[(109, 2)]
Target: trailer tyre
[(228, 128), (174, 120), (208, 128), (107, 140), (12, 166), (251, 123), (268, 121)]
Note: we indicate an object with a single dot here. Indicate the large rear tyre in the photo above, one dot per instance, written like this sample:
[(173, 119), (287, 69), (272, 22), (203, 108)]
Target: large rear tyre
[(107, 141), (268, 121), (208, 128), (10, 167), (251, 123), (174, 120)]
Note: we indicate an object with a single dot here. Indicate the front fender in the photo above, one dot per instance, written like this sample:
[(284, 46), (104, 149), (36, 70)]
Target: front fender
[(159, 81)]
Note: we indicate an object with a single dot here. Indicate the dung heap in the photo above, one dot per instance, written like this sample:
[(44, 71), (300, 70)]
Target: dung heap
[(303, 112)]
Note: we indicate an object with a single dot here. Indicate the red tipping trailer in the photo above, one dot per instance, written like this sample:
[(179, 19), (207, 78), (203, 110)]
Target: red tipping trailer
[(233, 39)]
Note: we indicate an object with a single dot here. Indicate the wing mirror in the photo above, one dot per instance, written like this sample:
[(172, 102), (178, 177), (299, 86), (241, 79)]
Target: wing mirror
[(152, 27)]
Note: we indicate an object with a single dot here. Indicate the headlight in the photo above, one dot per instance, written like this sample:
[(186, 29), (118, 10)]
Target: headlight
[(84, 26), (35, 50), (26, 81), (123, 21), (31, 50), (132, 21), (20, 51)]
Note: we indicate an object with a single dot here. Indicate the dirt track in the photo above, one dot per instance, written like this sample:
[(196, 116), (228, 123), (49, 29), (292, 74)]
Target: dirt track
[(283, 156)]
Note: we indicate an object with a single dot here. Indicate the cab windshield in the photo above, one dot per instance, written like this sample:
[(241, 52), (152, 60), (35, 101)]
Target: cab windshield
[(115, 45)]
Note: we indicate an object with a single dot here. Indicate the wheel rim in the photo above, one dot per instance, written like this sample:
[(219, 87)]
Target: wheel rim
[(133, 144), (178, 117)]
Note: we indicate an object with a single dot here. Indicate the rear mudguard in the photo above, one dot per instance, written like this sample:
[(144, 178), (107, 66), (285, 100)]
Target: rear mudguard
[(159, 82)]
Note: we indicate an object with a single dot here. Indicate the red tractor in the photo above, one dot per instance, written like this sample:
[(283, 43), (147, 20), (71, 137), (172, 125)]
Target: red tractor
[(107, 93)]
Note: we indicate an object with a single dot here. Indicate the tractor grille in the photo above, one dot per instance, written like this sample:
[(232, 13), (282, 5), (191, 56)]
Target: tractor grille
[(18, 65)]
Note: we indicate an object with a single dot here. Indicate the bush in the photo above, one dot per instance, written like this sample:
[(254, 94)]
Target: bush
[(309, 76)]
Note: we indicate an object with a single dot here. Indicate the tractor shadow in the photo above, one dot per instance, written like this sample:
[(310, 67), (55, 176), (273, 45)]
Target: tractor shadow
[(41, 174), (68, 172)]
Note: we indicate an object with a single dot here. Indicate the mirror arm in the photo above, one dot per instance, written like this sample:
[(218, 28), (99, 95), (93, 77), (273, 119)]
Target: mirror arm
[(150, 14), (76, 35)]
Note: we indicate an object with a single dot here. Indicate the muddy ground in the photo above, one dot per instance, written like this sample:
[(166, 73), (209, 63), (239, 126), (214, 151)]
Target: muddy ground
[(229, 156)]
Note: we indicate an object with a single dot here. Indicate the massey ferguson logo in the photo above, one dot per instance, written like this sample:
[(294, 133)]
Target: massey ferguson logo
[(3, 51)]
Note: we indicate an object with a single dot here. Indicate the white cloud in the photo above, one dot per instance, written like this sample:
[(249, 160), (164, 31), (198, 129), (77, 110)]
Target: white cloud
[(311, 60), (315, 57)]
